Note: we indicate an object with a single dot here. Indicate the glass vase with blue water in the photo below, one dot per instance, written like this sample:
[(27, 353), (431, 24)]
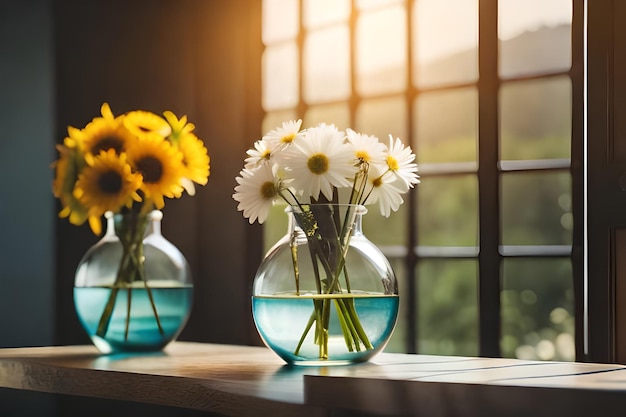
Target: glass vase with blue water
[(324, 294), (133, 290)]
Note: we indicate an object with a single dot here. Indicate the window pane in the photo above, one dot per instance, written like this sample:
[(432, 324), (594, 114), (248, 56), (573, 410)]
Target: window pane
[(538, 309), (382, 117), (280, 76), (536, 119), (323, 12), (386, 231), (446, 125), (274, 119), (373, 4), (326, 67), (381, 51), (535, 36), (337, 114), (447, 211), (280, 20), (447, 307), (536, 208), (445, 42)]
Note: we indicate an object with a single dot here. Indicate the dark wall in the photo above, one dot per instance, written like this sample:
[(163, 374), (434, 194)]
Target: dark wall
[(194, 57)]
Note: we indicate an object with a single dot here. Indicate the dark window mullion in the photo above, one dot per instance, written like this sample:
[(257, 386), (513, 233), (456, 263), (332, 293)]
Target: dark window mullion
[(488, 179)]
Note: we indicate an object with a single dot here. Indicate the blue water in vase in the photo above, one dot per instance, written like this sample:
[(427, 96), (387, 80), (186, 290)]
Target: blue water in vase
[(281, 321), (173, 305)]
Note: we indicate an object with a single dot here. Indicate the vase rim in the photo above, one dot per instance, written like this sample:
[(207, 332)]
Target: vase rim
[(153, 215), (359, 208)]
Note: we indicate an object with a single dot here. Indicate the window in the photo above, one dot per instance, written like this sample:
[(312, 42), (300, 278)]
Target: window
[(486, 92)]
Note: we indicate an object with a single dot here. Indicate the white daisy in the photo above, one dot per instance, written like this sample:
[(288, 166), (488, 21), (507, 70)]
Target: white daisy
[(319, 161), (283, 135), (400, 162), (383, 189), (261, 154), (256, 192), (367, 149)]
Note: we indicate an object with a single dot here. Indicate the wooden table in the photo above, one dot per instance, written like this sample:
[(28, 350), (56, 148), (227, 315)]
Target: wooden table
[(252, 381)]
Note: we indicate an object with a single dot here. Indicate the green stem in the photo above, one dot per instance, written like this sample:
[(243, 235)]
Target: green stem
[(128, 304)]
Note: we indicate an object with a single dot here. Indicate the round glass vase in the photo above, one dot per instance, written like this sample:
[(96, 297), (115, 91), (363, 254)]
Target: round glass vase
[(133, 290), (324, 294)]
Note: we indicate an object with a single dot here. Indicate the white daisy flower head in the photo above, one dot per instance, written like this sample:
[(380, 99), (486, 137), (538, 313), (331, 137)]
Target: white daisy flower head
[(384, 190), (367, 149), (256, 191), (283, 135), (400, 161), (319, 161), (262, 153)]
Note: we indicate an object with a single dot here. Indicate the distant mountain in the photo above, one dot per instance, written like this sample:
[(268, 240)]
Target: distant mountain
[(544, 49)]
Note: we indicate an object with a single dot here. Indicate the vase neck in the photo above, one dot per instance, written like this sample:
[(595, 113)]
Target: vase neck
[(133, 226), (326, 220)]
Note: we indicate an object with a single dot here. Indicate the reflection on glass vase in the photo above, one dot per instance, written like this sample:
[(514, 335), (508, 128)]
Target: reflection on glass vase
[(324, 294), (133, 290)]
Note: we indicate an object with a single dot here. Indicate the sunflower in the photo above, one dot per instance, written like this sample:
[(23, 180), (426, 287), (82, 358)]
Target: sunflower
[(179, 127), (195, 158), (161, 166), (107, 184), (144, 123)]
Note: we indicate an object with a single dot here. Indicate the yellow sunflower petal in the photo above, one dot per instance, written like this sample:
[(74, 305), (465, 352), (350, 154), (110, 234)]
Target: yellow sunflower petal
[(142, 123), (95, 223)]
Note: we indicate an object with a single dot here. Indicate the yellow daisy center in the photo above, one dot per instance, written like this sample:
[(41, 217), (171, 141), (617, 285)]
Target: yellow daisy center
[(318, 163), (377, 182), (288, 138), (362, 155), (151, 169), (392, 163), (268, 190), (110, 182), (266, 154)]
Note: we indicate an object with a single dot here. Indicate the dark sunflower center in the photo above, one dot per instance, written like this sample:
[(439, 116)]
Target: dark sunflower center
[(318, 163), (151, 169), (106, 143), (110, 182)]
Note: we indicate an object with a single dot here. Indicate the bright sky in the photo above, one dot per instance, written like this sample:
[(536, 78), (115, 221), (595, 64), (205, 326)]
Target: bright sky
[(448, 26)]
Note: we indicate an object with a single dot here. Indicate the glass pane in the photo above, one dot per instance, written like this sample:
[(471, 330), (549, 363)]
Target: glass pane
[(445, 42), (382, 117), (337, 114), (447, 211), (535, 36), (274, 119), (280, 76), (538, 309), (280, 20), (381, 61), (447, 307), (536, 208), (536, 119), (373, 4), (446, 125), (386, 231), (323, 12), (326, 68)]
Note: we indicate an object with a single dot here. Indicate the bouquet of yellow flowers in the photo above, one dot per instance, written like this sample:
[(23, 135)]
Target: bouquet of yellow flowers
[(127, 164)]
